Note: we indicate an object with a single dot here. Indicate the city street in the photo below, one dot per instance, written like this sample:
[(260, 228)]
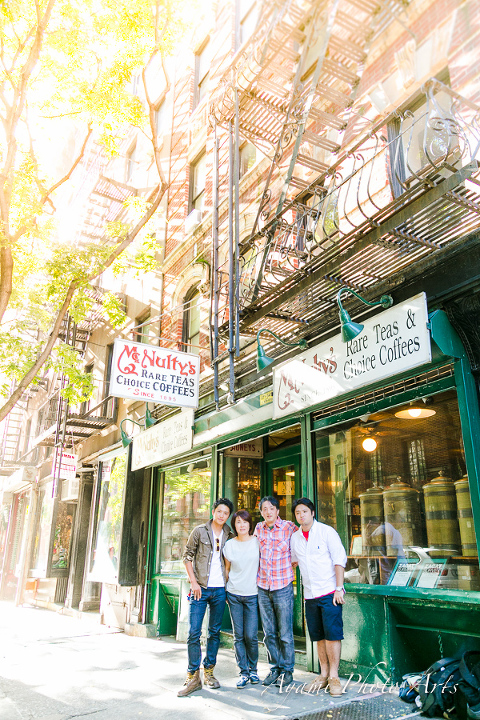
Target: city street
[(55, 667)]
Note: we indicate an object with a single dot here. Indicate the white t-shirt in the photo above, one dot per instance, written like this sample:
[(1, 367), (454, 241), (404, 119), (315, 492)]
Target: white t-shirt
[(244, 558), (215, 576)]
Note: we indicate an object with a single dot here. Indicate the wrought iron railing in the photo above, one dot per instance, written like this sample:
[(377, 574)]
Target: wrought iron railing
[(397, 162)]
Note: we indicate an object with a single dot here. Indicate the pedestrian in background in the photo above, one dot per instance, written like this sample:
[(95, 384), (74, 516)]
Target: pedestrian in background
[(321, 557), (241, 555), (275, 590), (205, 566)]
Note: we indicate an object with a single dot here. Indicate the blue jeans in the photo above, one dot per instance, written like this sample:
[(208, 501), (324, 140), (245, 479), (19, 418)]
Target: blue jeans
[(276, 611), (244, 614), (215, 598)]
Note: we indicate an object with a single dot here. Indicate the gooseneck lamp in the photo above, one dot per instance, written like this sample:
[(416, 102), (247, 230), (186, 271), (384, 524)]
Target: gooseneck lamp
[(149, 419), (126, 439), (263, 360), (351, 329)]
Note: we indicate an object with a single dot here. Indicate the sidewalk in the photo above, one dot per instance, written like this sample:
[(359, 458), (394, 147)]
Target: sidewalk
[(54, 667)]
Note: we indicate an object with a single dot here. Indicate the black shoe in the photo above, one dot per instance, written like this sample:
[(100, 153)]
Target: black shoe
[(285, 679), (271, 677)]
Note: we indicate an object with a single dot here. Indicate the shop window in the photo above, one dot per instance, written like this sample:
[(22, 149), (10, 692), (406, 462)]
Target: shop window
[(44, 527), (395, 486), (202, 70), (246, 16), (191, 322), (62, 536), (186, 500), (242, 483), (198, 171), (108, 526)]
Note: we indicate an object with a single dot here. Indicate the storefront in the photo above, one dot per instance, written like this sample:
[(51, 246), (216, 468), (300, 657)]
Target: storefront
[(117, 542), (390, 460), (50, 558)]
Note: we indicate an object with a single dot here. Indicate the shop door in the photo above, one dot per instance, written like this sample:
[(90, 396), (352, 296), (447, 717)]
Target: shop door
[(284, 482)]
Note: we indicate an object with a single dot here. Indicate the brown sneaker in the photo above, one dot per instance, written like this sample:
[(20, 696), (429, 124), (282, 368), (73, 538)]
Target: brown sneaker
[(208, 678), (318, 684), (335, 687), (191, 684)]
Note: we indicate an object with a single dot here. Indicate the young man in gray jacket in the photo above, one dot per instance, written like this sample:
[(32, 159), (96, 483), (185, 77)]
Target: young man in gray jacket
[(205, 565)]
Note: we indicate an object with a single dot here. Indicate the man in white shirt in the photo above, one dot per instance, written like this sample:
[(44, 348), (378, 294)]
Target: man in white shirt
[(321, 557)]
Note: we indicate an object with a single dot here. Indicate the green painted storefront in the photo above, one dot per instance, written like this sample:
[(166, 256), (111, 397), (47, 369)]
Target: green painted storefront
[(389, 630)]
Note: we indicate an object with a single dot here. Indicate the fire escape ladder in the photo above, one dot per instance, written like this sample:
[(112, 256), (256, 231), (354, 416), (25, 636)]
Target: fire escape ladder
[(342, 33)]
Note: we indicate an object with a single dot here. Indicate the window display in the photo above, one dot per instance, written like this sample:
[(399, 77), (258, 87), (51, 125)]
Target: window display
[(44, 527), (186, 498), (108, 528), (394, 484)]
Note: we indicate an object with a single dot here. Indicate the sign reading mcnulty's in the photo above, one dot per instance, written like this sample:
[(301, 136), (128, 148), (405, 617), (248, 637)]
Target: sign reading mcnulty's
[(164, 440), (390, 343), (154, 374)]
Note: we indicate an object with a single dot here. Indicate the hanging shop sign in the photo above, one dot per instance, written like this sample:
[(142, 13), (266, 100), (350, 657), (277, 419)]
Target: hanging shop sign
[(390, 343), (154, 374), (252, 449), (68, 466), (164, 440)]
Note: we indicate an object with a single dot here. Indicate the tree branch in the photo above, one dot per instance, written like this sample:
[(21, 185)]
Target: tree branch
[(156, 197), (46, 193)]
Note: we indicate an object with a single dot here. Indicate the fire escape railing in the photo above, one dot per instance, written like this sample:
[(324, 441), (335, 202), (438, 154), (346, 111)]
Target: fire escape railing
[(397, 196)]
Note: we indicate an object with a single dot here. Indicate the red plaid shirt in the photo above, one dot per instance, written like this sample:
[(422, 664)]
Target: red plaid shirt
[(275, 570)]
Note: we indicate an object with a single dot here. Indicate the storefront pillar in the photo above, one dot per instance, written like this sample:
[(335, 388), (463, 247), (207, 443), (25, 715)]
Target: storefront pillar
[(449, 343)]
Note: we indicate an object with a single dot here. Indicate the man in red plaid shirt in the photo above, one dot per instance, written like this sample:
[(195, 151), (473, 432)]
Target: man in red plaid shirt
[(275, 590)]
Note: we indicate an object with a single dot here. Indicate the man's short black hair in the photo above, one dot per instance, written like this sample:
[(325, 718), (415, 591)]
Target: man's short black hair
[(270, 499), (303, 501), (223, 501)]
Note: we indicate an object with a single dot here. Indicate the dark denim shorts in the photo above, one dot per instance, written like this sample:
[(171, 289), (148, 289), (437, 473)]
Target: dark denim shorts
[(324, 619)]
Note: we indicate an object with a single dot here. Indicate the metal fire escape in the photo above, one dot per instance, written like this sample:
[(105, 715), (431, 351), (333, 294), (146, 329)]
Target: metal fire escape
[(289, 92)]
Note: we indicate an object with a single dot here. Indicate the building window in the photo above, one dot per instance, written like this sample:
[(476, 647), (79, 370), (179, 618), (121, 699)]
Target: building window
[(202, 70), (132, 163), (248, 157), (402, 499), (198, 171), (110, 406), (191, 322), (246, 20), (161, 118), (422, 141), (142, 327)]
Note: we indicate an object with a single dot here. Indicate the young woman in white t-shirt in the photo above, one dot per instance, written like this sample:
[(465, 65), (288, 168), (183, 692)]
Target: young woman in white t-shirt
[(241, 555)]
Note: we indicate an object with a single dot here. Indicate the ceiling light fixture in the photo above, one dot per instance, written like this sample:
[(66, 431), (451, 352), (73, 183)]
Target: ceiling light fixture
[(417, 410), (369, 444)]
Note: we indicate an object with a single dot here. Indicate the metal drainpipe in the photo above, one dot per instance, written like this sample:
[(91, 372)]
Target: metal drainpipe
[(237, 227), (214, 284), (231, 277)]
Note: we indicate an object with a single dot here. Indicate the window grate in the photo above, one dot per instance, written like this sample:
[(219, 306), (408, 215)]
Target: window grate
[(417, 382)]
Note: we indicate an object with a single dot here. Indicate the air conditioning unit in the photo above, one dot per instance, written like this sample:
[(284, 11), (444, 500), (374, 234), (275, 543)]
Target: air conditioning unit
[(192, 221), (70, 489)]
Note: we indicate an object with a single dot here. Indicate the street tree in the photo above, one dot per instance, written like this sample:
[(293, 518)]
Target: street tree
[(65, 75)]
